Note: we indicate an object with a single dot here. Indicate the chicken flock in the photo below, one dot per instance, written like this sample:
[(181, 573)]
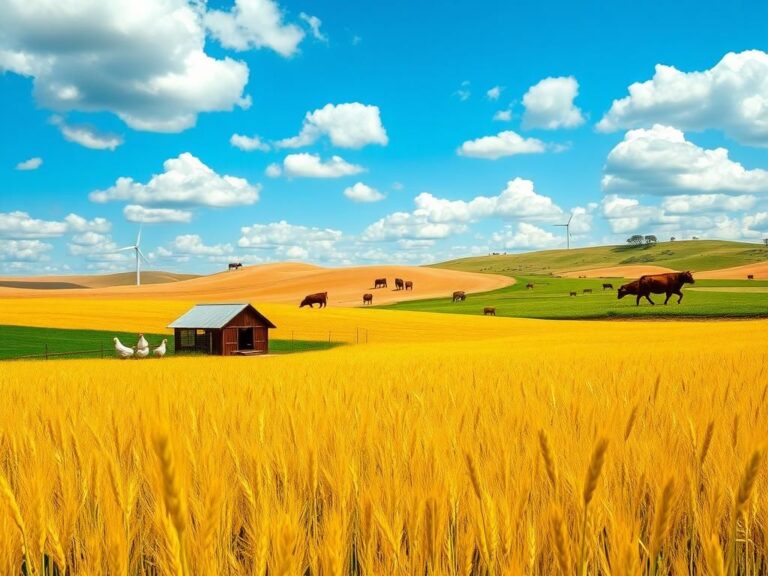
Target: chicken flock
[(141, 350)]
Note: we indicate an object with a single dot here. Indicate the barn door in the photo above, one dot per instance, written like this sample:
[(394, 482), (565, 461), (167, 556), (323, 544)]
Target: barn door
[(260, 339), (230, 341)]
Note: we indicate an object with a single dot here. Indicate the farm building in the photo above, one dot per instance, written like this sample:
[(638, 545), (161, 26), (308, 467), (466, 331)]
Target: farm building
[(222, 330)]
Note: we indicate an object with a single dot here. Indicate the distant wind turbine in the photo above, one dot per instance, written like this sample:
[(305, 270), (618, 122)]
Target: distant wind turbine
[(567, 227), (139, 256)]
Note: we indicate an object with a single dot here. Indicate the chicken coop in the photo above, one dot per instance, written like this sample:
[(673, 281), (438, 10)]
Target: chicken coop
[(222, 330)]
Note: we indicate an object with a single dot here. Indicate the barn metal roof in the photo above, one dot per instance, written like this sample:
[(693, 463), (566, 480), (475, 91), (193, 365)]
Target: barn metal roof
[(213, 316)]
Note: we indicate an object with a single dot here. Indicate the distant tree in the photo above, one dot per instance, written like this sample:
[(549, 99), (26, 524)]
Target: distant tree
[(672, 239), (694, 237), (635, 239), (650, 239), (765, 241)]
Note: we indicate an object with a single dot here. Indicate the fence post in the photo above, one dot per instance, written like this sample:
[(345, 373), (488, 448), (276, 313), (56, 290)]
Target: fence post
[(46, 350)]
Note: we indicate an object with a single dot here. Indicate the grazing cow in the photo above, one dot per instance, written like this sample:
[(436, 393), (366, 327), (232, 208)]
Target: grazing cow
[(312, 299), (607, 286), (459, 296), (634, 289), (399, 284), (235, 265), (529, 286), (750, 277), (408, 285), (573, 293), (489, 311), (380, 283), (669, 283), (367, 299)]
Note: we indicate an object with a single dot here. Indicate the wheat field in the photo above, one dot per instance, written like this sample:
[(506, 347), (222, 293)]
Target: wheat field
[(567, 448)]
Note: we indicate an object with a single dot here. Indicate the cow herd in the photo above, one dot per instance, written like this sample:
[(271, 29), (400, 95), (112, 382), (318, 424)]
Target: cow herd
[(669, 283)]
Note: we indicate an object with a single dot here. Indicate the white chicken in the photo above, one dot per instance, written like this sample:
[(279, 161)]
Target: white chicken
[(142, 344), (160, 350), (121, 350), (142, 352)]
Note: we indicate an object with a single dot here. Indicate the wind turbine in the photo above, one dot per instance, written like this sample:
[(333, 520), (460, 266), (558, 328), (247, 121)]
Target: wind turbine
[(139, 256), (567, 227)]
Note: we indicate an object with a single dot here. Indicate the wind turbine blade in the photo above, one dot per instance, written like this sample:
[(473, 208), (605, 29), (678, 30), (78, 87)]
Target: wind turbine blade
[(138, 237), (571, 218), (126, 248), (140, 253)]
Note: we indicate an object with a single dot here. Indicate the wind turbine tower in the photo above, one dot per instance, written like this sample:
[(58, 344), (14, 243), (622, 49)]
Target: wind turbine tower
[(139, 256), (567, 227)]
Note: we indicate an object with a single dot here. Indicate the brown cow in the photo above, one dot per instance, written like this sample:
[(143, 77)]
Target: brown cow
[(668, 283), (587, 290), (529, 286), (367, 299), (750, 276), (459, 296), (573, 293), (634, 289), (607, 286), (489, 311), (312, 299), (399, 284), (380, 283), (408, 285)]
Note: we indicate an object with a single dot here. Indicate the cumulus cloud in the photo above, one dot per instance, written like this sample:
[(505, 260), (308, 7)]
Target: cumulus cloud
[(31, 164), (21, 225), (494, 93), (254, 24), (628, 214), (507, 143), (143, 61), (549, 104), (87, 136), (186, 180), (525, 236), (273, 170), (311, 166), (193, 245), (360, 192), (77, 223), (464, 93), (661, 161), (248, 143), (435, 218), (314, 24), (732, 96), (291, 241), (351, 125), (24, 250), (137, 213), (503, 115), (697, 204)]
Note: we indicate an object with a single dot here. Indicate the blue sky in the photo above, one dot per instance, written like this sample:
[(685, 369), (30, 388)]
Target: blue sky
[(378, 132)]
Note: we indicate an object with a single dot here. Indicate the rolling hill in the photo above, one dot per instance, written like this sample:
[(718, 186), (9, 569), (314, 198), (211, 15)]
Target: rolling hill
[(91, 281), (696, 255)]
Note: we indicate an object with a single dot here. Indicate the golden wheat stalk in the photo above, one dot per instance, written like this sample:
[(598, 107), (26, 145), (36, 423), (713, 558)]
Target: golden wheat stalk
[(661, 522)]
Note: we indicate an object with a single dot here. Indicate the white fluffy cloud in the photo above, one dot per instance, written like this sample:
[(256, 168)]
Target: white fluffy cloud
[(23, 250), (661, 161), (360, 192), (525, 236), (22, 225), (305, 165), (87, 136), (273, 170), (31, 164), (254, 24), (186, 180), (144, 61), (549, 104), (137, 213), (503, 115), (731, 96), (193, 245), (494, 93), (290, 241), (77, 223), (628, 214), (698, 204), (435, 218), (248, 143), (314, 24), (351, 125), (507, 143)]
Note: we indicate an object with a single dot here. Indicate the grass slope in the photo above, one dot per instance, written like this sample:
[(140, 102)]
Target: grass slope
[(18, 341), (695, 255), (550, 299)]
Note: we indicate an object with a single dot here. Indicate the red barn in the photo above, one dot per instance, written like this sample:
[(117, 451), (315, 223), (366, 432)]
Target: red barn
[(222, 330)]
